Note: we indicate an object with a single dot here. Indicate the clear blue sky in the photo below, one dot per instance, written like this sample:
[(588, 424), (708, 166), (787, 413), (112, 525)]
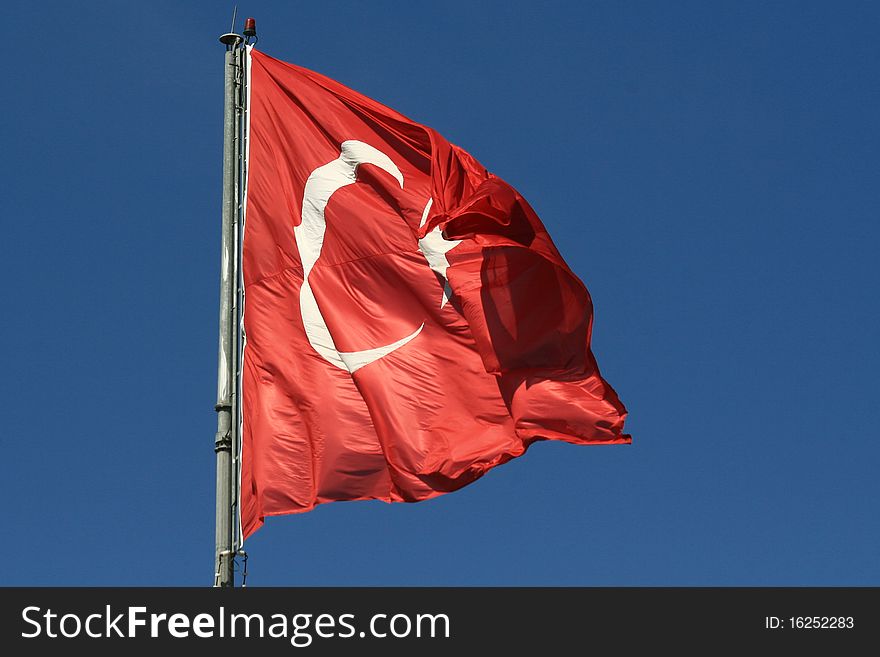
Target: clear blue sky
[(711, 173)]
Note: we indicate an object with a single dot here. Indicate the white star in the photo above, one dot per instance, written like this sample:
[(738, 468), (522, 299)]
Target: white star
[(435, 249)]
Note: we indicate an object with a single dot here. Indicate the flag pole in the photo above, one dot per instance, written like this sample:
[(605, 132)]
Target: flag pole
[(225, 439)]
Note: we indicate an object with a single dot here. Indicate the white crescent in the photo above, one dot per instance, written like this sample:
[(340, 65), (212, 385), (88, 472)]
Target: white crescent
[(309, 235)]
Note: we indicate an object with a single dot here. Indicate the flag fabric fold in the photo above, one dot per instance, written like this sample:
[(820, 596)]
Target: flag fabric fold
[(409, 323)]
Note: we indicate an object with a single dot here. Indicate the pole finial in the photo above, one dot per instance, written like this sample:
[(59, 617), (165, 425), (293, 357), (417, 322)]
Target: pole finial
[(231, 39)]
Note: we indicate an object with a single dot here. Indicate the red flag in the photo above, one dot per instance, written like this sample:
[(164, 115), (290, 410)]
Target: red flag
[(409, 323)]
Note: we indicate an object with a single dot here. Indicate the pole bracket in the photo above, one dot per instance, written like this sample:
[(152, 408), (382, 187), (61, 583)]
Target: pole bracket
[(223, 442)]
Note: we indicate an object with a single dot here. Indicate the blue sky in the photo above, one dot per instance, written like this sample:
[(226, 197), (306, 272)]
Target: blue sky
[(710, 170)]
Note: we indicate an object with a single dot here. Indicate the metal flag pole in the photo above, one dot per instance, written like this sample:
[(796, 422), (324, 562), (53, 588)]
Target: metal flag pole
[(227, 425)]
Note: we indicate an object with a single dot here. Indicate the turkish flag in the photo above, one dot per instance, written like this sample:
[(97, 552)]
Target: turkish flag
[(408, 322)]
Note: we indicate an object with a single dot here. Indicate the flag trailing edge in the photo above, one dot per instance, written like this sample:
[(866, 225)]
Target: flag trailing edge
[(407, 323)]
